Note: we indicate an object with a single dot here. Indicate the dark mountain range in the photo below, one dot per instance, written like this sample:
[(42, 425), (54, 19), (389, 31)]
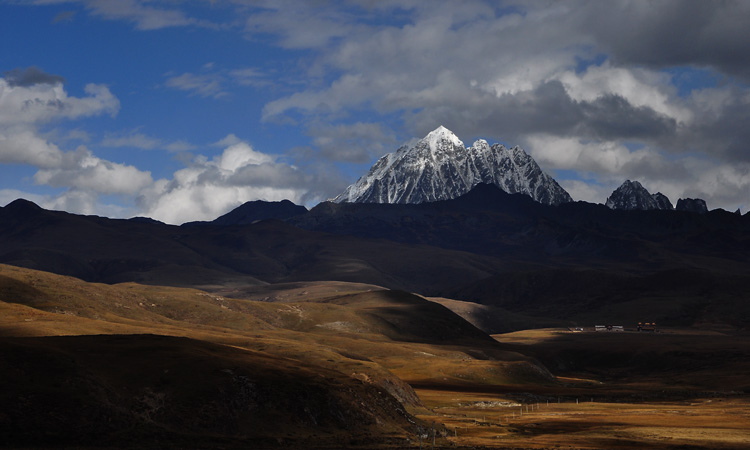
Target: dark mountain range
[(254, 211), (572, 261), (519, 230), (112, 251)]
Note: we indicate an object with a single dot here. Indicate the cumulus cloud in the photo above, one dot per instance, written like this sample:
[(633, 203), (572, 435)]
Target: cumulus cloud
[(39, 103), (33, 98), (26, 147), (209, 188), (80, 170), (639, 87), (29, 99)]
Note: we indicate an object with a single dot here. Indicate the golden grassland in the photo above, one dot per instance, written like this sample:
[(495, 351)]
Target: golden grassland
[(487, 421), (479, 392)]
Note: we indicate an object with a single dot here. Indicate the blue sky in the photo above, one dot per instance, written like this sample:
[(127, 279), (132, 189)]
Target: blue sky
[(183, 109)]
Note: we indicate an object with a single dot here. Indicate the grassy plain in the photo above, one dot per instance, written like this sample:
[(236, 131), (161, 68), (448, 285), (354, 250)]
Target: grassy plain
[(482, 420)]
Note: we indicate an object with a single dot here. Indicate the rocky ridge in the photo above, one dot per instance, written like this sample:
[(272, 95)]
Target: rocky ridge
[(631, 195), (695, 205)]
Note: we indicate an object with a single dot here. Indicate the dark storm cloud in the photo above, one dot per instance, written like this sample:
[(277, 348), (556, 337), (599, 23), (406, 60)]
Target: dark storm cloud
[(672, 33), (612, 117), (726, 134), (31, 76), (549, 109)]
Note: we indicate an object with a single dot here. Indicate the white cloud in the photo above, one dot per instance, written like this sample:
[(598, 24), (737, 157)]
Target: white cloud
[(41, 103), (227, 141), (23, 146), (640, 87), (241, 155), (209, 188), (84, 202), (26, 107), (608, 158), (82, 171)]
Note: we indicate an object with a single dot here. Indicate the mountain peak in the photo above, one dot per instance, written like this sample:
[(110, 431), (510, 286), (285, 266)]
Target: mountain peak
[(439, 134), (631, 195), (22, 206), (440, 167)]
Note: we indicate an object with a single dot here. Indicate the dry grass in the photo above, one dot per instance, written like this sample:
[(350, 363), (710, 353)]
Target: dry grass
[(495, 421), (473, 388)]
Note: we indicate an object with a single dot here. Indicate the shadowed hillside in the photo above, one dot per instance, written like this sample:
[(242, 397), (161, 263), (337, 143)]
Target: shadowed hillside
[(118, 365), (132, 390)]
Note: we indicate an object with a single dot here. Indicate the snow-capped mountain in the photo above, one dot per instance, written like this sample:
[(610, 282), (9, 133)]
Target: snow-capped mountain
[(631, 195), (440, 167)]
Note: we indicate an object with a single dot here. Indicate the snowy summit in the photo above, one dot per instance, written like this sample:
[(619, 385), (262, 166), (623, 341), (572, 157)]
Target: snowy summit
[(440, 167)]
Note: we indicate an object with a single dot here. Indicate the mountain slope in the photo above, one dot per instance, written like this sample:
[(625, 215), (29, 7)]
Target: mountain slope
[(439, 167)]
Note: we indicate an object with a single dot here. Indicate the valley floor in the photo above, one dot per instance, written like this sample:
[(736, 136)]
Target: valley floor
[(482, 420)]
